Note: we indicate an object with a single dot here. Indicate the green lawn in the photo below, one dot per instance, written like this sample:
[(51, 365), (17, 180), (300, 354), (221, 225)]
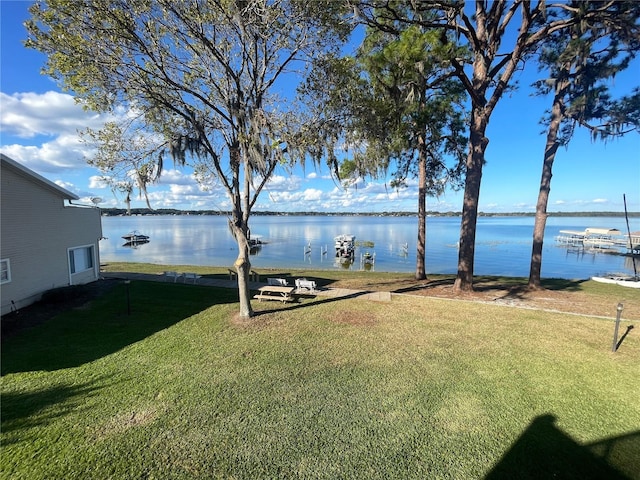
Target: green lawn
[(324, 389)]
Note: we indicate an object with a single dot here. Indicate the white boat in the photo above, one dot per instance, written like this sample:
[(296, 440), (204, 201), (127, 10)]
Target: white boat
[(367, 260), (136, 237), (619, 280), (345, 245)]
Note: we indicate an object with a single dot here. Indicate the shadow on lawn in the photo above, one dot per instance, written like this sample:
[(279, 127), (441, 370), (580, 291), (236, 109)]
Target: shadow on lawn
[(28, 410), (296, 306), (483, 283), (545, 451), (124, 315)]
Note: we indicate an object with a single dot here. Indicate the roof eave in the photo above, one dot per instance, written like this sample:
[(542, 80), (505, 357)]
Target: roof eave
[(64, 193)]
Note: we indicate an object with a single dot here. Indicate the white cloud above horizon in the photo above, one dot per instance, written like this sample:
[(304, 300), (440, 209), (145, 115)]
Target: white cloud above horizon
[(45, 129), (29, 114)]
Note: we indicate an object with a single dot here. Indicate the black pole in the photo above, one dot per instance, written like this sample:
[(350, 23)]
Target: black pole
[(614, 347), (633, 258)]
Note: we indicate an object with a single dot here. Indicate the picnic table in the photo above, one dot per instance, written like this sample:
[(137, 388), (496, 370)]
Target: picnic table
[(275, 292)]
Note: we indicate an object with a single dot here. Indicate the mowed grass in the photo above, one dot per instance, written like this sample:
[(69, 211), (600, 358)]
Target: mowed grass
[(323, 389)]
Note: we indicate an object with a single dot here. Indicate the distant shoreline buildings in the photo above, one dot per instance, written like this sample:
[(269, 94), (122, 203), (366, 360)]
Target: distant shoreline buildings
[(120, 212)]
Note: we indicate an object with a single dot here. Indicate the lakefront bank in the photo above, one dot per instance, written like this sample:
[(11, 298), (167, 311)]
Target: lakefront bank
[(503, 244)]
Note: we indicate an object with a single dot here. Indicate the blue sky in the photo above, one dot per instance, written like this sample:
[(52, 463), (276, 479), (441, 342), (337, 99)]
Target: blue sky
[(39, 125)]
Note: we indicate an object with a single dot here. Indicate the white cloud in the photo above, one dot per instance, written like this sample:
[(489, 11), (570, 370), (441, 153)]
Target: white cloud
[(312, 195), (186, 190), (280, 183), (66, 185), (62, 153), (176, 177), (49, 123), (523, 206), (52, 113), (285, 197), (97, 181)]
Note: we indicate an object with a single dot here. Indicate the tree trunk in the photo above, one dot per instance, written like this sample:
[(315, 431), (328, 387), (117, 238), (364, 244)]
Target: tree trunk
[(239, 225), (475, 160), (551, 147), (243, 268), (421, 272)]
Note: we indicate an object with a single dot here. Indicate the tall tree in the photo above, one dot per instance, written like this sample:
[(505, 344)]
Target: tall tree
[(580, 63), (500, 41), (126, 155), (204, 74), (423, 124), (399, 110)]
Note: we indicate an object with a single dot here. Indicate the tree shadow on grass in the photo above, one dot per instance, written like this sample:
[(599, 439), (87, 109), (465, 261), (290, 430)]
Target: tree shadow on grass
[(487, 283), (545, 451), (24, 410), (312, 301), (124, 315)]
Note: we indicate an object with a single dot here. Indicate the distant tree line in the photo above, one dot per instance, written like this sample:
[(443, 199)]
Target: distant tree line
[(120, 212)]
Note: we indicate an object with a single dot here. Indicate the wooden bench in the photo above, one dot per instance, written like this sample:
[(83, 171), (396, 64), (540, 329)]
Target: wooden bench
[(190, 276), (174, 275), (281, 282), (274, 292), (304, 284), (253, 275)]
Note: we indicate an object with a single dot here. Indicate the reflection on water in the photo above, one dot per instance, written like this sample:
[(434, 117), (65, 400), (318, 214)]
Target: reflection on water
[(632, 263), (503, 244)]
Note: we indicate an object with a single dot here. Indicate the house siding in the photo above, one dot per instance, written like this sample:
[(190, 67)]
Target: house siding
[(37, 229)]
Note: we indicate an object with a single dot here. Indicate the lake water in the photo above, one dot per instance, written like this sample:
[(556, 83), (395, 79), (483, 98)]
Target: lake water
[(503, 244)]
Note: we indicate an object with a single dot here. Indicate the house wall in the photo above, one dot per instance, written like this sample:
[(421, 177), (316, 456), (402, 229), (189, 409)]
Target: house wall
[(37, 229)]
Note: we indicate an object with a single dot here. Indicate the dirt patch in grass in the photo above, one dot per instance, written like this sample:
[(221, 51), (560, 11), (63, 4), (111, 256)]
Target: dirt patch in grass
[(353, 318)]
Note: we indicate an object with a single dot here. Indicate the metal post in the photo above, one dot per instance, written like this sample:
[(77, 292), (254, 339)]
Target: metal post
[(614, 347)]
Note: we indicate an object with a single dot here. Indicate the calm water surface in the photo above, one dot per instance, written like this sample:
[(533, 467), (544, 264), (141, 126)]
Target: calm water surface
[(503, 244)]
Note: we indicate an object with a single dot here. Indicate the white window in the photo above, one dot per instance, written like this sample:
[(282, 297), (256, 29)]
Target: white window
[(5, 271), (80, 259)]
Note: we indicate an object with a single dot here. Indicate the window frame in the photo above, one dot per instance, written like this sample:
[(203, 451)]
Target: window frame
[(89, 260), (7, 262)]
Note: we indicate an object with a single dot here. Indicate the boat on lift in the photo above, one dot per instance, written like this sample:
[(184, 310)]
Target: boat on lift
[(345, 245), (135, 237)]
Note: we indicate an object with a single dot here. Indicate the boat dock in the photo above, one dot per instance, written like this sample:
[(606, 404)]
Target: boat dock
[(605, 239)]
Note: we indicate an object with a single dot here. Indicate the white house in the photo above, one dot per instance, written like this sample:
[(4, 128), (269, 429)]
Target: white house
[(46, 242)]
